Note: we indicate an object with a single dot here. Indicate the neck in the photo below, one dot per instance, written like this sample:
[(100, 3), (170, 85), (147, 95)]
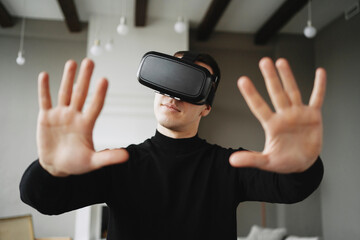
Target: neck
[(176, 133)]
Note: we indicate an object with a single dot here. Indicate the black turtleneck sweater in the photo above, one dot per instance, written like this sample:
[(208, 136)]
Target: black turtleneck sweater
[(169, 189)]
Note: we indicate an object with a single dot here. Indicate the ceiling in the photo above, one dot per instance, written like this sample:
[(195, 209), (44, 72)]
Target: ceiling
[(245, 16)]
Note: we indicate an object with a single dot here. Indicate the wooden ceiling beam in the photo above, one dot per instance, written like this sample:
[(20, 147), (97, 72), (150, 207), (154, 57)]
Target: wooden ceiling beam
[(211, 18), (282, 16), (140, 12), (6, 19), (71, 16)]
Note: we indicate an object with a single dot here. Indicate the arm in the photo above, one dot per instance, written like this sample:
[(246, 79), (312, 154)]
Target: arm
[(264, 186), (69, 174), (55, 195)]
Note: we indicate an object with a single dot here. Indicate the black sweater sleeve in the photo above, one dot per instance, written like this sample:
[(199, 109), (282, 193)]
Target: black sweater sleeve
[(55, 195), (258, 185)]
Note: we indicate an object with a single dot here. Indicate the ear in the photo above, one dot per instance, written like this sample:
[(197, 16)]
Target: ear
[(205, 111)]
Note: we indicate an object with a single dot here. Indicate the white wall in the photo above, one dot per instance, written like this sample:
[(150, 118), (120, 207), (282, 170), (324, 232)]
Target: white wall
[(231, 124), (304, 218), (338, 50), (128, 113), (127, 116), (47, 46)]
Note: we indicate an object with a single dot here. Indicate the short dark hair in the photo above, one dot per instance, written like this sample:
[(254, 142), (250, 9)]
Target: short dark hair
[(204, 58), (210, 61)]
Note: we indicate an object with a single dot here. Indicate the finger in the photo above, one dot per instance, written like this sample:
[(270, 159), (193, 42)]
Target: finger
[(255, 102), (82, 84), (109, 157), (248, 159), (318, 93), (289, 81), (273, 84), (44, 91), (67, 82), (97, 102)]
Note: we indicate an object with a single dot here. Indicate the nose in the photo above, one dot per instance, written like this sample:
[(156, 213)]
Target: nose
[(169, 98)]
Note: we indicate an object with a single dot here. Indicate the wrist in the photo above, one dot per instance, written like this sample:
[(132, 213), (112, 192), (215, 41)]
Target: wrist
[(52, 171)]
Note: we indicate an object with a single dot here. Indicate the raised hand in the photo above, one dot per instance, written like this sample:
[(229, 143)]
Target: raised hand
[(294, 131), (64, 132)]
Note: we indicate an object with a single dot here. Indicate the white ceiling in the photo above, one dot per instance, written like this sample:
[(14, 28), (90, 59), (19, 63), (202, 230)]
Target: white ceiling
[(240, 15)]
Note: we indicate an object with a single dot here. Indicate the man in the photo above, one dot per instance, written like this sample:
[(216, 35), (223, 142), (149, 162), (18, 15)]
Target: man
[(174, 185)]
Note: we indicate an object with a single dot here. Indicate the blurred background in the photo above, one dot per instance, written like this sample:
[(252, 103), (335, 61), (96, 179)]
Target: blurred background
[(40, 35)]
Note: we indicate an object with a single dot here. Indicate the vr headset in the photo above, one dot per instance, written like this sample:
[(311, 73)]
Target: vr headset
[(179, 78)]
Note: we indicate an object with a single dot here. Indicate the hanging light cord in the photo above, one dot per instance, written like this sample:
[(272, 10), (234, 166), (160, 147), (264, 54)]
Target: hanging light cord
[(123, 8), (309, 12), (22, 35), (181, 8)]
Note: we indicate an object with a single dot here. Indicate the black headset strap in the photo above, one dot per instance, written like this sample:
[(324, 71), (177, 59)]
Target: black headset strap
[(190, 56)]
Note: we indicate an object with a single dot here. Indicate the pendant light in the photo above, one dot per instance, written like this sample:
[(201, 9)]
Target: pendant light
[(20, 60), (123, 28), (309, 30), (109, 46), (180, 25), (96, 49)]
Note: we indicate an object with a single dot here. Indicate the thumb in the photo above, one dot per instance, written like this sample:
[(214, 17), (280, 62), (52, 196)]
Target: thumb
[(248, 159), (109, 157)]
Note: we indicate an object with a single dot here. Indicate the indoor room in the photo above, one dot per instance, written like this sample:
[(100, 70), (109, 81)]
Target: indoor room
[(40, 35)]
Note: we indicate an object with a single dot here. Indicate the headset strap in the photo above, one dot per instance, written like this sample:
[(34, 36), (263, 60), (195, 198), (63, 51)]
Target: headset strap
[(190, 56)]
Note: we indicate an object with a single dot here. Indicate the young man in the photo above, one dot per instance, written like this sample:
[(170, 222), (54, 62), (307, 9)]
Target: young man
[(174, 185)]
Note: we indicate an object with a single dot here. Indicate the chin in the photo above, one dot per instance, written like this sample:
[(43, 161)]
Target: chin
[(168, 123)]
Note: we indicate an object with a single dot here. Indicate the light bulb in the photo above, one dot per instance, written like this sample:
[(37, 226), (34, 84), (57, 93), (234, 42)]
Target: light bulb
[(96, 49), (180, 25), (20, 60), (309, 30), (122, 28), (109, 46)]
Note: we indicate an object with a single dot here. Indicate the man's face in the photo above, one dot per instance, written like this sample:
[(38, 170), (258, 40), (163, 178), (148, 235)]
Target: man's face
[(178, 115)]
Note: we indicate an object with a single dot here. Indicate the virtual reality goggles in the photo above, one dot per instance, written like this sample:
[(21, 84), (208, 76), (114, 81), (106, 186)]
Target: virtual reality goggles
[(179, 78)]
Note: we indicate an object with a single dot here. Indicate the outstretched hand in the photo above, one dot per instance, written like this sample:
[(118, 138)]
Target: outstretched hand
[(64, 133), (294, 131)]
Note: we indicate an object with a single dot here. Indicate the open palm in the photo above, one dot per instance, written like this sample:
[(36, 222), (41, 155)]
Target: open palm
[(64, 133), (294, 131)]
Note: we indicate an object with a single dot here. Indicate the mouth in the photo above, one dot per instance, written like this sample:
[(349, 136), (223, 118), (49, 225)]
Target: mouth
[(171, 107)]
